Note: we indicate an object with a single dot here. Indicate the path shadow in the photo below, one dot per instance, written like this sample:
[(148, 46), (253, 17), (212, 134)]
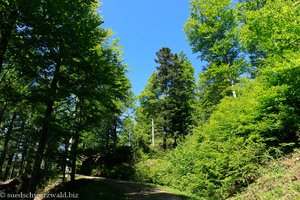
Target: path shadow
[(96, 188), (139, 191)]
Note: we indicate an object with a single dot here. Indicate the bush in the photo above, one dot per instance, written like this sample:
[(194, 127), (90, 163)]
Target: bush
[(225, 153)]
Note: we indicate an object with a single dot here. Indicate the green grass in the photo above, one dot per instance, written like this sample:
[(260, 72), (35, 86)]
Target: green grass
[(279, 180)]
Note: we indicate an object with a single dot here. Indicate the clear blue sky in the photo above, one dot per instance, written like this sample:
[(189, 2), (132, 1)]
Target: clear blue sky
[(145, 26)]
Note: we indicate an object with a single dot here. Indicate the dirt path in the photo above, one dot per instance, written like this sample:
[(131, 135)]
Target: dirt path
[(138, 191), (126, 190)]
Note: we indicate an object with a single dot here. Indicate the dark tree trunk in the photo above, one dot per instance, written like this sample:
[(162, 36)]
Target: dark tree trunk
[(8, 166), (12, 173), (2, 111), (107, 139), (164, 142), (6, 141), (175, 142), (74, 150), (35, 176), (114, 131), (65, 159), (152, 131), (24, 150), (46, 170), (14, 163)]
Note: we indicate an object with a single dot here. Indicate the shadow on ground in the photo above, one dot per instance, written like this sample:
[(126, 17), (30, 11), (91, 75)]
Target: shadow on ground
[(92, 188)]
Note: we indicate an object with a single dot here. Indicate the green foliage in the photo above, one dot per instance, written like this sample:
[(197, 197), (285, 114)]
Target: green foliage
[(213, 32), (63, 78), (235, 136), (114, 163), (224, 154), (166, 107), (271, 29), (278, 180), (153, 171), (229, 149)]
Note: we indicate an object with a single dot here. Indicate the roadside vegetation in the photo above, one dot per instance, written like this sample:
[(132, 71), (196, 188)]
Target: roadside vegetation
[(278, 180)]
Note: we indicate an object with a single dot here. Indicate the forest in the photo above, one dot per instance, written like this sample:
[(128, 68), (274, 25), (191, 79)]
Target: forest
[(67, 106)]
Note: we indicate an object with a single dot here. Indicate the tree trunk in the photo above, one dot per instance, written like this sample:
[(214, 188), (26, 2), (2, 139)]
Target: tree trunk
[(65, 164), (8, 166), (165, 134), (152, 132), (14, 163), (107, 138), (74, 156), (232, 86), (164, 143), (24, 154), (2, 111), (35, 176), (114, 131), (6, 141), (175, 142), (47, 166), (24, 150), (41, 147)]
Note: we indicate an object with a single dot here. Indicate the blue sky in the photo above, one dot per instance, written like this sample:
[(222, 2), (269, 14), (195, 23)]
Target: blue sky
[(145, 26)]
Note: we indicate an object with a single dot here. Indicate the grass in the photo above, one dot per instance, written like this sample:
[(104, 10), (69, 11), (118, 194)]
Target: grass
[(280, 180)]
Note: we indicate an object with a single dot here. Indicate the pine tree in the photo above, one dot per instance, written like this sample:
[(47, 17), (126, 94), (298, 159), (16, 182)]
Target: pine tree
[(175, 80)]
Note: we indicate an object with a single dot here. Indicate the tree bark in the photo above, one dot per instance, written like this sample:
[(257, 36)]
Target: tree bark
[(107, 138), (74, 156), (152, 132), (14, 163), (65, 164), (24, 149), (2, 111), (6, 141), (114, 131), (233, 90), (232, 86), (35, 176), (8, 166), (175, 142)]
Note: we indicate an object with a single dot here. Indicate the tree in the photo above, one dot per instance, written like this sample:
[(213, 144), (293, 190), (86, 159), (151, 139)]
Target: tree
[(175, 80), (9, 14), (270, 28), (149, 109), (213, 31), (67, 70)]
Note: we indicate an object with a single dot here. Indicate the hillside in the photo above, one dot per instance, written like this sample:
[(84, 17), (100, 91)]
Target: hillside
[(280, 179)]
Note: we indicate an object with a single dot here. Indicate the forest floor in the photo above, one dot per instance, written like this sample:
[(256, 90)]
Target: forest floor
[(90, 188)]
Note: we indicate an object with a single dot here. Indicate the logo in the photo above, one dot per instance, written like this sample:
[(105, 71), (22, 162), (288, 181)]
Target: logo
[(2, 194)]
